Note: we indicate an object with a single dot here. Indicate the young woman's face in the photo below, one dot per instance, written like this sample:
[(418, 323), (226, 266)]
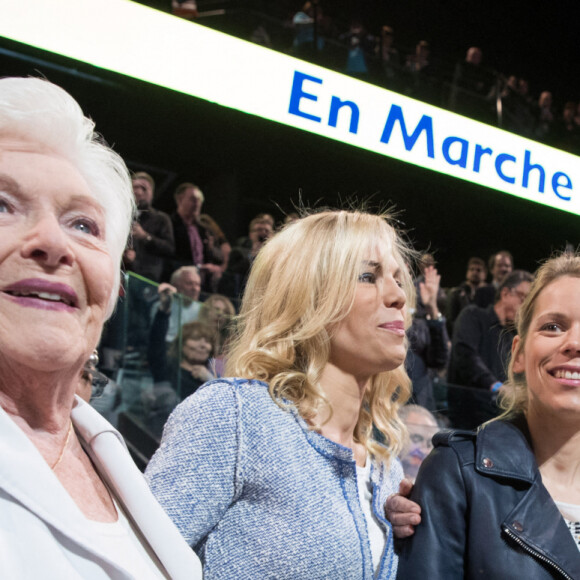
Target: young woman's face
[(371, 339), (550, 357)]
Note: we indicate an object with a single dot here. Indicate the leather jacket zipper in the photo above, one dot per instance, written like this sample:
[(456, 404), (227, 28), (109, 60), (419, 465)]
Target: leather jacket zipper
[(533, 552)]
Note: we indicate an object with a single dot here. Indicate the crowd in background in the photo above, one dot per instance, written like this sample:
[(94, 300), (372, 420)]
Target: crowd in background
[(460, 337), (469, 86)]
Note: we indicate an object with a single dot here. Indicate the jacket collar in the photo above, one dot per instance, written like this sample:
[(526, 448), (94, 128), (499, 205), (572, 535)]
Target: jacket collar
[(504, 450)]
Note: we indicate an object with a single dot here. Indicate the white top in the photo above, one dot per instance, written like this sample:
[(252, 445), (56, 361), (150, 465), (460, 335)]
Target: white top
[(571, 514), (377, 538), (119, 540), (44, 534)]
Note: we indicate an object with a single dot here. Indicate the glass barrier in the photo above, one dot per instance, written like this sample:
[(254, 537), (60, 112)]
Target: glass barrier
[(151, 360)]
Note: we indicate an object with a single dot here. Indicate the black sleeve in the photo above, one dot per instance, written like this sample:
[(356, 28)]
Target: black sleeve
[(469, 368), (438, 349), (162, 242), (437, 550)]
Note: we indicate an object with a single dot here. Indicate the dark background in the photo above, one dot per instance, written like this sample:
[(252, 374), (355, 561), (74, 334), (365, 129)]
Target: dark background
[(246, 165)]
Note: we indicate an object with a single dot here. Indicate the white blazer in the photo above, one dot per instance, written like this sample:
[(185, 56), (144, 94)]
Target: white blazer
[(43, 532)]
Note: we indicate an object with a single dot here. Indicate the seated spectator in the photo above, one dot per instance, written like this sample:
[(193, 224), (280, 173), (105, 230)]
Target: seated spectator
[(482, 342), (187, 283), (500, 265), (152, 233), (176, 375), (421, 426), (192, 364), (464, 294), (428, 341), (216, 313)]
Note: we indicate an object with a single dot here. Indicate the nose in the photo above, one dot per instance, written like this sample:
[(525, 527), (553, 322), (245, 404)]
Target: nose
[(393, 294), (572, 343), (47, 243)]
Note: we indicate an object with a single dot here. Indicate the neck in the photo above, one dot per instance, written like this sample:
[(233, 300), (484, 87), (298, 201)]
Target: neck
[(556, 443), (39, 401), (345, 394), (187, 218)]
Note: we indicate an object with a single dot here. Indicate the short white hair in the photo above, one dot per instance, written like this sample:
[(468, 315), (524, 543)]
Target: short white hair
[(38, 111)]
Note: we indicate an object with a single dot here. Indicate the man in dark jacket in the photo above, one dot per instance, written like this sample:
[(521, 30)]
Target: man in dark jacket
[(482, 342), (152, 233)]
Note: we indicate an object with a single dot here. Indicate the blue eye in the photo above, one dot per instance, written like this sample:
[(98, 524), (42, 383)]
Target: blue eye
[(367, 278), (86, 226), (4, 206)]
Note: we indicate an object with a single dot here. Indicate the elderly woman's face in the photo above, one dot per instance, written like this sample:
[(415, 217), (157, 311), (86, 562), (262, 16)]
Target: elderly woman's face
[(550, 357), (56, 274)]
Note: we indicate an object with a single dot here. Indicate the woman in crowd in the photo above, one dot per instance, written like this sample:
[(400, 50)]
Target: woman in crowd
[(72, 503), (186, 364), (504, 501), (276, 474), (217, 312)]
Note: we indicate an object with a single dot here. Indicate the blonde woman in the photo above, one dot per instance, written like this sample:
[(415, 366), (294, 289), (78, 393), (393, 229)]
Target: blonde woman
[(504, 501), (276, 474)]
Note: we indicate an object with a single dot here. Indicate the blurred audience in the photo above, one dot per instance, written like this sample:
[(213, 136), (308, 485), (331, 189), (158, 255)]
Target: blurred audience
[(464, 294), (151, 234), (482, 341)]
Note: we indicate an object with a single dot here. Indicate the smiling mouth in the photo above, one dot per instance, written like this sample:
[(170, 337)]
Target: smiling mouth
[(563, 374), (47, 296)]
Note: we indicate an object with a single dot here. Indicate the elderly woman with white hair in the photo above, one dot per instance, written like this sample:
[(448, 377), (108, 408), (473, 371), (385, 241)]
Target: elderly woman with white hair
[(72, 503), (276, 473)]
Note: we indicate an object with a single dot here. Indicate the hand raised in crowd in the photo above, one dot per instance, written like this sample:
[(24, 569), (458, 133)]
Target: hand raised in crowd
[(166, 292), (403, 513), (429, 289)]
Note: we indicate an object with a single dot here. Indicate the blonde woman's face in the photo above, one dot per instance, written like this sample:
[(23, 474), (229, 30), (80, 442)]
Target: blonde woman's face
[(371, 339), (550, 358)]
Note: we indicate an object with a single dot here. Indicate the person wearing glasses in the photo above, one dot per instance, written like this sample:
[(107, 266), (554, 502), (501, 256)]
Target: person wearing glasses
[(482, 341)]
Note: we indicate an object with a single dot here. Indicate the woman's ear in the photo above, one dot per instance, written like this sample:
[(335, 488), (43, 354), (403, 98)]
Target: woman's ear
[(518, 358)]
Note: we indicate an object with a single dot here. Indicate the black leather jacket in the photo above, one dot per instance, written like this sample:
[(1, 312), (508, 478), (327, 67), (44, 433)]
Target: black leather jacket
[(486, 513)]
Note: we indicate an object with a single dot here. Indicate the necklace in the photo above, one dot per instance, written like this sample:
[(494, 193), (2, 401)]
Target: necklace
[(70, 430)]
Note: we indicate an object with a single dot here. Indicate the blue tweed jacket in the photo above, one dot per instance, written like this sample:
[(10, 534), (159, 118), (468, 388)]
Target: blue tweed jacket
[(259, 495)]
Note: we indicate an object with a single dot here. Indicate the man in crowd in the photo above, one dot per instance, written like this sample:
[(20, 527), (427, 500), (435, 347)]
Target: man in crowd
[(193, 241), (500, 265), (233, 281), (464, 294), (480, 351), (186, 282), (152, 233)]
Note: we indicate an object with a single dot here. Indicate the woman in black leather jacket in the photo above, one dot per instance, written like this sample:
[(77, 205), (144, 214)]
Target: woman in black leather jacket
[(504, 501)]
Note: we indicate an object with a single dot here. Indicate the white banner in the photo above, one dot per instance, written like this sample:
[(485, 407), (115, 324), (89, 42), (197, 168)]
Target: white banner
[(143, 43)]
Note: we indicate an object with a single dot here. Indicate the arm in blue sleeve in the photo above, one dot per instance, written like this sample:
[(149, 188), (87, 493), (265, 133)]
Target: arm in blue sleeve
[(195, 472)]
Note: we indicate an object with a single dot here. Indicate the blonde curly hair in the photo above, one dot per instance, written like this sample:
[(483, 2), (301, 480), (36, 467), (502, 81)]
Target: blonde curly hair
[(301, 286)]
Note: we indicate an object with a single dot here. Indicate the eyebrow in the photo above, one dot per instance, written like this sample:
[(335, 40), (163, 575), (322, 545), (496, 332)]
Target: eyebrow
[(371, 264), (9, 183)]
